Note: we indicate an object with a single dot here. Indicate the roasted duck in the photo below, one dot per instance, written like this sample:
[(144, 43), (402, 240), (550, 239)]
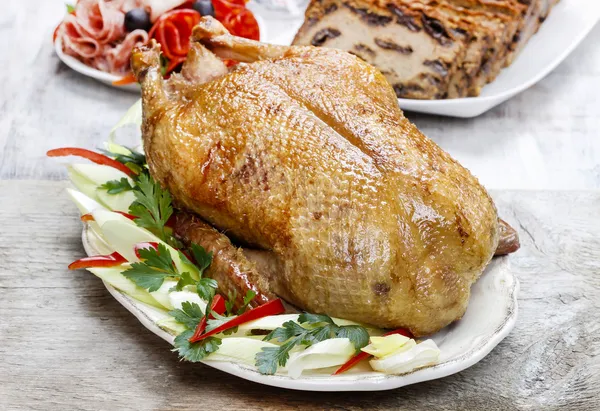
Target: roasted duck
[(301, 157)]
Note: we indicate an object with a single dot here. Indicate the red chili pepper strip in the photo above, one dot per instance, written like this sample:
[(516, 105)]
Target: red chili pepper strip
[(273, 307), (364, 355), (111, 260), (89, 217), (218, 306), (352, 362), (92, 156), (141, 246), (123, 81)]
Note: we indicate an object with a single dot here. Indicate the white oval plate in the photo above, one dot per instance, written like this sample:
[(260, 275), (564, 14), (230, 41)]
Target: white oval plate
[(108, 78), (568, 24), (491, 315)]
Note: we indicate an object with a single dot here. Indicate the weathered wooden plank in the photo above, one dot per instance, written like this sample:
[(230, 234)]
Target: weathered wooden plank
[(66, 344)]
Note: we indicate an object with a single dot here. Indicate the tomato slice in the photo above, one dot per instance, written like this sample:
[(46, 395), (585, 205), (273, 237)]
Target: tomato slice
[(241, 22), (273, 307), (363, 355), (173, 30), (111, 260), (92, 156)]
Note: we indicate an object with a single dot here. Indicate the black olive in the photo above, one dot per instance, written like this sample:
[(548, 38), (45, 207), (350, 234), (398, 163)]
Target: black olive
[(137, 19), (204, 7)]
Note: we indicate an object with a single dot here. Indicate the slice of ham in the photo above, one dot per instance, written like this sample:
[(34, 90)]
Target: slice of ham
[(103, 21), (95, 34), (76, 41), (118, 56)]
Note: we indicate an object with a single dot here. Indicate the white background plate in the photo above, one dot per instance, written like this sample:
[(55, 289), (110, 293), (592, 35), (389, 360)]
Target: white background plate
[(568, 24), (108, 78), (491, 315)]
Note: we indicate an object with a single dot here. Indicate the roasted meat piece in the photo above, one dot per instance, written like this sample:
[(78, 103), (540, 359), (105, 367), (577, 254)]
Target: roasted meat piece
[(302, 156)]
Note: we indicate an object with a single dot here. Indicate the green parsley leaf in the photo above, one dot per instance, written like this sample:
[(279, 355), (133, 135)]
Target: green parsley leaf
[(70, 8), (270, 358), (203, 258), (232, 298), (185, 279), (320, 328), (314, 319), (117, 186), (289, 330), (189, 315), (206, 288), (152, 207), (230, 303), (157, 265), (250, 294), (133, 159), (197, 351), (356, 334)]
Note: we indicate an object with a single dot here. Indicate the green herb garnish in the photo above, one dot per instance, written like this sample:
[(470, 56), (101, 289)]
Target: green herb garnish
[(117, 186), (315, 328), (155, 267), (152, 207)]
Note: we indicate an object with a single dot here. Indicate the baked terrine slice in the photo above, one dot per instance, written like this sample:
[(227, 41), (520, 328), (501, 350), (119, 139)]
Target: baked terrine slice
[(416, 51)]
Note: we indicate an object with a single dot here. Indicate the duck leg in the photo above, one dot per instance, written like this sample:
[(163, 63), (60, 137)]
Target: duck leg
[(235, 273)]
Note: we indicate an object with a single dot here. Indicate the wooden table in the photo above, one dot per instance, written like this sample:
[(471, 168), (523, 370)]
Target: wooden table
[(65, 343)]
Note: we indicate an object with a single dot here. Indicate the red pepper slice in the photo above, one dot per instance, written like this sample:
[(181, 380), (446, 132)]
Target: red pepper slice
[(89, 217), (218, 306), (273, 307), (363, 355), (92, 156), (127, 79), (141, 246), (111, 260)]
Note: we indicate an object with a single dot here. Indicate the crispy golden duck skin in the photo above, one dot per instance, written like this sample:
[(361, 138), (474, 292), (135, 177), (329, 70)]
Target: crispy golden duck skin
[(304, 154)]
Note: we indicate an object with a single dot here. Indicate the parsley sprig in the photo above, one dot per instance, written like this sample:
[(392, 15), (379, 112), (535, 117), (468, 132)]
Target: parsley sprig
[(117, 186), (231, 299), (152, 207), (190, 315), (310, 329), (134, 160)]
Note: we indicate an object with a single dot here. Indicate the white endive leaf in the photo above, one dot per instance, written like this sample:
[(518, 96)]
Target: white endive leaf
[(239, 349), (328, 353), (113, 276), (420, 355), (132, 116)]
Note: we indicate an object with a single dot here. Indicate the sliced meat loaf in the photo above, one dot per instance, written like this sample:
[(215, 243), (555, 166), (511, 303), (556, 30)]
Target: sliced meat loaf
[(416, 51), (477, 38), (536, 13), (490, 31), (511, 13)]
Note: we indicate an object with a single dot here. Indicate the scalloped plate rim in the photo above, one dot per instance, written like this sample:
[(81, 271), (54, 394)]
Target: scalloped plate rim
[(371, 382)]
